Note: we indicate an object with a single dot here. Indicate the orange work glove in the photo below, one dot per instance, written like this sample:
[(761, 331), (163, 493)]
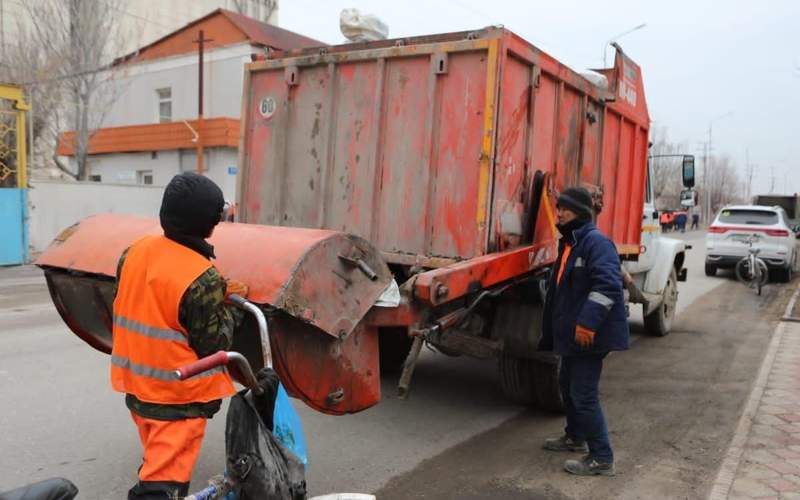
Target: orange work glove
[(584, 337), (235, 287)]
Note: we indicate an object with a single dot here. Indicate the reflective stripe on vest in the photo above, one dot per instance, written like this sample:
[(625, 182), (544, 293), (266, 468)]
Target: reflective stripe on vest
[(148, 371), (149, 342)]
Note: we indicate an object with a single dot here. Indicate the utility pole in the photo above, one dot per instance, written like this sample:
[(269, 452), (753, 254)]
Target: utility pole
[(201, 40)]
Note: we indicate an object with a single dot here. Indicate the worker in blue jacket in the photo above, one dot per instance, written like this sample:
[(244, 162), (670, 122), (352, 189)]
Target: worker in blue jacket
[(584, 320)]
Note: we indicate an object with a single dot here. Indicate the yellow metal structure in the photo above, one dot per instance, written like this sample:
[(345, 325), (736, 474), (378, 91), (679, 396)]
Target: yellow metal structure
[(13, 158)]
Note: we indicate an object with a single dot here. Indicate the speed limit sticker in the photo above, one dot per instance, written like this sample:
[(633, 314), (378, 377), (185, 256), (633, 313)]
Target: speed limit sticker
[(267, 107)]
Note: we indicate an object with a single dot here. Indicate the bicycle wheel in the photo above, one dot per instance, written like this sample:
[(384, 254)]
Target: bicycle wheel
[(743, 271)]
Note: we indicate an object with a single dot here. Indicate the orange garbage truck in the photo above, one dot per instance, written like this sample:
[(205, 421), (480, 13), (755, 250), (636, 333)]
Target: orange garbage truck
[(402, 192)]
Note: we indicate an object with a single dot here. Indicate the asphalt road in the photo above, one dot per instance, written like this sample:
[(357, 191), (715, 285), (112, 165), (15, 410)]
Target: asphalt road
[(60, 417), (672, 405)]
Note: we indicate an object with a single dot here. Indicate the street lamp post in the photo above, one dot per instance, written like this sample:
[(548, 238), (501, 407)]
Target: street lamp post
[(617, 37)]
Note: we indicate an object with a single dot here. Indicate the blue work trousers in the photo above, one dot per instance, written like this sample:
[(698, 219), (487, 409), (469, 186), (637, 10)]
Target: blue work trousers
[(580, 388)]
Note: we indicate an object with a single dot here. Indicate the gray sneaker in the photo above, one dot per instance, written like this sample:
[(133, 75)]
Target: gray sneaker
[(565, 443), (588, 466)]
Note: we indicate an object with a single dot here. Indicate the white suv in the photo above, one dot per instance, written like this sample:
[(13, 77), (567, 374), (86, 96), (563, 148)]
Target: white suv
[(727, 239)]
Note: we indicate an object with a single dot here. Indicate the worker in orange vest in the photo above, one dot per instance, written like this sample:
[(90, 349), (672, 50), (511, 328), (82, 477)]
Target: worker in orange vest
[(169, 311)]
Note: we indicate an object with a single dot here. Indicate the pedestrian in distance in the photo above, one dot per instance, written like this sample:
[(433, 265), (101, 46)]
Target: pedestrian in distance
[(695, 221), (680, 221), (169, 311), (663, 219), (584, 320)]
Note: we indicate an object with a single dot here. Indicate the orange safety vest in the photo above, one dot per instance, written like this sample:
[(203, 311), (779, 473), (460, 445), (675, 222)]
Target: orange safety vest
[(149, 341)]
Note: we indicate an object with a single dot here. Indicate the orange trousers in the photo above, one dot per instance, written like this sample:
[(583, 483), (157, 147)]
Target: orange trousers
[(170, 447)]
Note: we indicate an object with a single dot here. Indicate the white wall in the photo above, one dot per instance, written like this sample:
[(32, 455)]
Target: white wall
[(122, 168), (137, 101), (55, 205)]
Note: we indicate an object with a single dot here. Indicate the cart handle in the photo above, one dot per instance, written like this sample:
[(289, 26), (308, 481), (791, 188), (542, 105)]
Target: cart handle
[(244, 374), (263, 331)]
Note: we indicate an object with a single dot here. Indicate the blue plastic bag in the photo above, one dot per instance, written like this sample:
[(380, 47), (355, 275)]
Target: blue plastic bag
[(287, 427)]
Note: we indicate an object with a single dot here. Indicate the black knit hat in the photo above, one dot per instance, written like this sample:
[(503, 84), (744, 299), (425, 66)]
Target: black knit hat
[(192, 205), (577, 199)]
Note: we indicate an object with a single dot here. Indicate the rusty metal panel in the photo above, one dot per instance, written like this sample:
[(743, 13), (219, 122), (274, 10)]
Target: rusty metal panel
[(510, 171), (403, 166), (452, 229), (623, 183), (568, 142), (544, 119), (608, 177), (590, 169)]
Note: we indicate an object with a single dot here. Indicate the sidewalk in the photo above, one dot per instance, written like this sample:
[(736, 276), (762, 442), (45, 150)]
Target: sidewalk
[(763, 459)]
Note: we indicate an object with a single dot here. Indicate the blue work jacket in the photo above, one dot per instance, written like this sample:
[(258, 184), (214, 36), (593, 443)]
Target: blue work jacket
[(589, 294)]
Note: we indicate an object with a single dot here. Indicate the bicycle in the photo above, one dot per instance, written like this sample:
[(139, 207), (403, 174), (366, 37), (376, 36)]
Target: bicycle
[(751, 270)]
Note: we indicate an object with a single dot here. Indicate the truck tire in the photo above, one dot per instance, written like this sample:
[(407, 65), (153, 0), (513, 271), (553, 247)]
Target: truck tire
[(526, 377), (532, 382), (393, 347), (659, 321), (711, 270)]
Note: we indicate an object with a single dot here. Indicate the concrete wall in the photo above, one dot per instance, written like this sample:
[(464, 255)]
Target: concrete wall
[(55, 205), (124, 168)]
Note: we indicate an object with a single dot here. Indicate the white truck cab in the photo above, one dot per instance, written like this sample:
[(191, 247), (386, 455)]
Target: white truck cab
[(654, 276)]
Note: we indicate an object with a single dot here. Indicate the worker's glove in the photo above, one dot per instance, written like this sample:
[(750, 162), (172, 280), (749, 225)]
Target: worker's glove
[(233, 287), (584, 337)]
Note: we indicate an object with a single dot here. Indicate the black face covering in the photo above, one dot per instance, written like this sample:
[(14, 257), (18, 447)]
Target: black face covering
[(569, 227), (190, 209)]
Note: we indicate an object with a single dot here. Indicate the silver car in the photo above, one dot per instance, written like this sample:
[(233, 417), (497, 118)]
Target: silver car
[(727, 240)]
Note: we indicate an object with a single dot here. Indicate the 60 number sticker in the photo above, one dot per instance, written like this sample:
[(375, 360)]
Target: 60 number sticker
[(267, 107)]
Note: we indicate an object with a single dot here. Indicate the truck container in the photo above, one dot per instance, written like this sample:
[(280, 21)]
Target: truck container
[(789, 202), (432, 163)]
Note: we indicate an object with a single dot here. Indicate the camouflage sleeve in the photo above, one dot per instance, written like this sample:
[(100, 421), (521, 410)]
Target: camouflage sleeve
[(203, 312), (120, 263)]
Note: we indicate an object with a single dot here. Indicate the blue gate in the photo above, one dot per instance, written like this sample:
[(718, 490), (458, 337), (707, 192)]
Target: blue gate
[(13, 229)]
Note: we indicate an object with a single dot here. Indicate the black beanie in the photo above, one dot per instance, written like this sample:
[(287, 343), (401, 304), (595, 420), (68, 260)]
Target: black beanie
[(577, 199), (191, 206)]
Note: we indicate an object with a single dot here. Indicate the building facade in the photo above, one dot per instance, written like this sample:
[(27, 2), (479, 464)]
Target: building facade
[(152, 130)]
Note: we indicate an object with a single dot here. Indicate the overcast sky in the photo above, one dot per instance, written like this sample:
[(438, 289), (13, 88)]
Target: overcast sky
[(735, 59)]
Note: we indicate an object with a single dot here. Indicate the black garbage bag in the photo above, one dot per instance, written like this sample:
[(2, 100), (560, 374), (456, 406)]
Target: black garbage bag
[(259, 464), (49, 489)]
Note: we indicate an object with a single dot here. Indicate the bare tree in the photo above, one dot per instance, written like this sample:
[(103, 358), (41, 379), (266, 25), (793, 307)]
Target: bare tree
[(666, 171), (724, 186), (63, 57)]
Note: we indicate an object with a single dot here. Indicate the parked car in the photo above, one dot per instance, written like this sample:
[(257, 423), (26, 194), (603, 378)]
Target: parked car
[(727, 240)]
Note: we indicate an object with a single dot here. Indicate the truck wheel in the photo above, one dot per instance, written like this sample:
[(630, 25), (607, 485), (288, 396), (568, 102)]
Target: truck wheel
[(532, 382), (659, 322), (711, 270), (393, 347)]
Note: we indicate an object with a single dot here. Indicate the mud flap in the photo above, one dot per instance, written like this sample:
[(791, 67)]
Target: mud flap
[(318, 285)]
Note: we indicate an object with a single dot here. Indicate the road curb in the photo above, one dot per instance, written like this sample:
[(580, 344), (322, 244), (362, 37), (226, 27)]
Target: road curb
[(730, 464)]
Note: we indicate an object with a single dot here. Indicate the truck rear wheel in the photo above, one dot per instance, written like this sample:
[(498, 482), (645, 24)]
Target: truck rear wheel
[(659, 321), (532, 382)]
